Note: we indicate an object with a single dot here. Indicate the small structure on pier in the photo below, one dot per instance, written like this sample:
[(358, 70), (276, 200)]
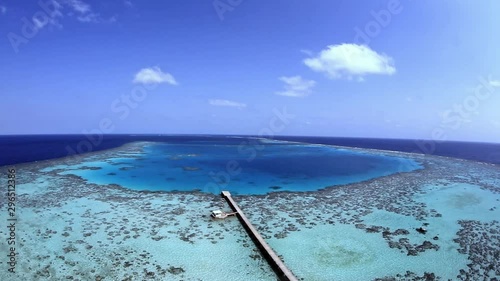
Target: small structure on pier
[(218, 214)]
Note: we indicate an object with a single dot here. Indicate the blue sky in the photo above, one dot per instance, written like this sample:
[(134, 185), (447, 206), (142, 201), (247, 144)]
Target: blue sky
[(393, 69)]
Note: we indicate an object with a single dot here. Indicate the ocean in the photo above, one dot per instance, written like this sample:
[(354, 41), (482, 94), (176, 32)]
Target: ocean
[(137, 207), (27, 148)]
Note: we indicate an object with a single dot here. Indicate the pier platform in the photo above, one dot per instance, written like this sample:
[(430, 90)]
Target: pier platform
[(272, 258)]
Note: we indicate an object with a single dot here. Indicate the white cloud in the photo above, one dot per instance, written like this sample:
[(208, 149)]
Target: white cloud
[(77, 9), (128, 3), (153, 75), (350, 61), (51, 19), (495, 83), (84, 12), (79, 6), (90, 17), (3, 10), (295, 86), (218, 102)]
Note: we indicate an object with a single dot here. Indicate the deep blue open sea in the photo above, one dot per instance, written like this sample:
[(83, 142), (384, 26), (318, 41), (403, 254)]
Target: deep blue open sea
[(28, 148)]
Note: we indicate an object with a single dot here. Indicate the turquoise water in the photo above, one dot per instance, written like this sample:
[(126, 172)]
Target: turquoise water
[(242, 169), (71, 225)]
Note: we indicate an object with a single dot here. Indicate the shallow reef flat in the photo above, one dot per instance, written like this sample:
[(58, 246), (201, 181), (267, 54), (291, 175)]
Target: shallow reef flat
[(69, 229), (369, 230), (73, 229)]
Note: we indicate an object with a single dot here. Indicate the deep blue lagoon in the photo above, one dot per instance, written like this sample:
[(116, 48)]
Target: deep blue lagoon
[(245, 166)]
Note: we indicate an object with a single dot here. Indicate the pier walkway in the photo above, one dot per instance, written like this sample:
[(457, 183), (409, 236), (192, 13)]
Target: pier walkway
[(272, 258)]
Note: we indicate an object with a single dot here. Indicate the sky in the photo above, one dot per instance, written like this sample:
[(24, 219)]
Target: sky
[(381, 69)]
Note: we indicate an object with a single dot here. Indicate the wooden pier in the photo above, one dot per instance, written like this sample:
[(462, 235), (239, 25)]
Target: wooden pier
[(272, 258)]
